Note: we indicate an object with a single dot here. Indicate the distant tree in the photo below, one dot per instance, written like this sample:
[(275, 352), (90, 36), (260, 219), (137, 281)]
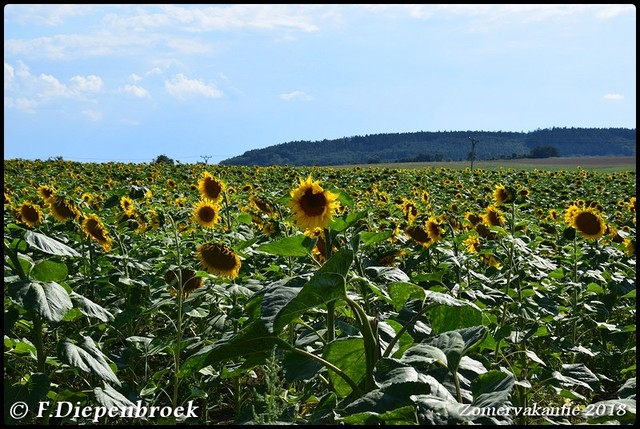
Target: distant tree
[(544, 152), (163, 159)]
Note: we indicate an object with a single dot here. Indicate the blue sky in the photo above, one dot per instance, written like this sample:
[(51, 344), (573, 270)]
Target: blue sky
[(98, 83)]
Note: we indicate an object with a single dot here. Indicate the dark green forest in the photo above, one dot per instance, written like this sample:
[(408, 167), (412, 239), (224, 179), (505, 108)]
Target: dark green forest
[(445, 146)]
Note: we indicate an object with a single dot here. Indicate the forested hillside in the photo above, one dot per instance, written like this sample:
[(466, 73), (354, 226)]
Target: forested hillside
[(445, 146)]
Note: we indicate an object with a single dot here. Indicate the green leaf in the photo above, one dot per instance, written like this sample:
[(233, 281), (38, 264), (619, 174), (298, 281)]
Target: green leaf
[(48, 244), (253, 342), (401, 292), (321, 289), (492, 389), (443, 298), (297, 245), (348, 354), (90, 308), (87, 357), (49, 271), (276, 296), (375, 237), (298, 367), (340, 224), (31, 392), (423, 355), (445, 318), (388, 397), (111, 398), (49, 300)]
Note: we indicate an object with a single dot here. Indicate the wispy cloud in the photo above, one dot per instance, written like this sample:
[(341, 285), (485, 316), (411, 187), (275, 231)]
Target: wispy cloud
[(92, 115), (613, 97), (295, 95), (136, 90), (182, 87)]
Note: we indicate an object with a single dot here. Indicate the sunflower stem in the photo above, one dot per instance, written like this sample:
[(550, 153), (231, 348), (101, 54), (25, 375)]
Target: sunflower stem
[(176, 350)]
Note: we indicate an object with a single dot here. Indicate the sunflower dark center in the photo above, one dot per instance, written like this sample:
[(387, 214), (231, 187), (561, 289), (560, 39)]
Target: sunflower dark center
[(313, 204), (212, 188), (219, 258), (30, 214), (207, 214), (588, 223), (419, 234)]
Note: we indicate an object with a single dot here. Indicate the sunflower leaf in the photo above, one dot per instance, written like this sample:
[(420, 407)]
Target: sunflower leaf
[(297, 245)]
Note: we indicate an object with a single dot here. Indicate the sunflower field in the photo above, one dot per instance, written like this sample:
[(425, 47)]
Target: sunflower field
[(139, 294)]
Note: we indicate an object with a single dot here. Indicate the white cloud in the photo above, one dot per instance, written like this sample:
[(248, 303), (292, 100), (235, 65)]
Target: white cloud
[(295, 95), (53, 87), (180, 86), (92, 115), (90, 83), (21, 103), (9, 76), (136, 90), (613, 96), (135, 78), (155, 70)]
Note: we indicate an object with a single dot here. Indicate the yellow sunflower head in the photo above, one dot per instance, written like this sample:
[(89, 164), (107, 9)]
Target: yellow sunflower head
[(587, 222), (210, 187), (62, 209), (46, 192), (419, 234), (472, 243), (127, 205), (30, 214), (312, 206), (205, 212), (492, 216), (261, 204), (434, 229), (219, 259), (503, 195), (190, 281), (94, 228)]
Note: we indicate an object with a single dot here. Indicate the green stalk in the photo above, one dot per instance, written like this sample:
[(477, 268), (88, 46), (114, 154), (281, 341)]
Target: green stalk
[(176, 353), (370, 344)]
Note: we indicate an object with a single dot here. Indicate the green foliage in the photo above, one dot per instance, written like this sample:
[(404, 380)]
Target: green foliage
[(357, 323)]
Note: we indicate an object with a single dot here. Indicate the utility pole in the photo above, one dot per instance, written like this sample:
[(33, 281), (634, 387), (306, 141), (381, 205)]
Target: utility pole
[(206, 158), (472, 155)]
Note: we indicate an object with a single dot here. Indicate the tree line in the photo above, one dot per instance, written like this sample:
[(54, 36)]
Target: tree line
[(445, 146)]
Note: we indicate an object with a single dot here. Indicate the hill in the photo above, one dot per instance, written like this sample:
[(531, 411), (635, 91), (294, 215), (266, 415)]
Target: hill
[(445, 146)]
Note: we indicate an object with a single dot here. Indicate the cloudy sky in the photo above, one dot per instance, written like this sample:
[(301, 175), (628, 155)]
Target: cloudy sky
[(127, 83)]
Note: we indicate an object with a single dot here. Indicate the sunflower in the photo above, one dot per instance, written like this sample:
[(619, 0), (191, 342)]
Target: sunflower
[(210, 187), (473, 218), (126, 203), (434, 229), (205, 212), (409, 209), (62, 209), (502, 195), (46, 192), (219, 259), (493, 216), (190, 281), (490, 260), (261, 204), (472, 243), (94, 228), (587, 221), (419, 234), (30, 214), (630, 246), (312, 206)]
